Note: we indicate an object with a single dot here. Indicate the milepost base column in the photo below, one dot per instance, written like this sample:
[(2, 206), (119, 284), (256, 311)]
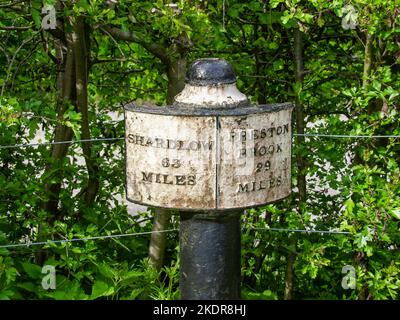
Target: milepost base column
[(210, 255)]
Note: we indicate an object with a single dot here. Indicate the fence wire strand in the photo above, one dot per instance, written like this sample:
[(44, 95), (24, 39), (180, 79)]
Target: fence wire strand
[(123, 235), (16, 245), (302, 230), (345, 136), (58, 142), (321, 135)]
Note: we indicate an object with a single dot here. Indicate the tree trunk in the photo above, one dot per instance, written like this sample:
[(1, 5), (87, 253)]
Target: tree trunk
[(67, 95), (176, 78), (367, 59), (301, 160), (62, 133), (299, 111), (81, 52), (176, 71), (359, 257), (289, 280)]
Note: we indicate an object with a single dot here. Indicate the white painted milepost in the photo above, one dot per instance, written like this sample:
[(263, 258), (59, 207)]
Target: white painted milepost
[(208, 155), (225, 156)]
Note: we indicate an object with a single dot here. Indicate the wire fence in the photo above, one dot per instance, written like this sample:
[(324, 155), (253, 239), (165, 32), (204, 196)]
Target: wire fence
[(306, 231), (57, 142), (124, 235), (321, 135)]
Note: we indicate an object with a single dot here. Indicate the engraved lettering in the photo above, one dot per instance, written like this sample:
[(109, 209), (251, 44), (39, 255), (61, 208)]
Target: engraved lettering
[(271, 132), (254, 186), (130, 138), (180, 180), (243, 188), (262, 151), (194, 145), (165, 162), (159, 143), (286, 128), (178, 144), (271, 149), (171, 144), (176, 163), (272, 183), (191, 180), (255, 134), (149, 142), (166, 179), (278, 181), (207, 145), (140, 140), (161, 178), (232, 134), (147, 177)]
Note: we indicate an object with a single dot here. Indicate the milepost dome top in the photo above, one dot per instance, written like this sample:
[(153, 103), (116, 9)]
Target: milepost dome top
[(210, 71), (211, 84)]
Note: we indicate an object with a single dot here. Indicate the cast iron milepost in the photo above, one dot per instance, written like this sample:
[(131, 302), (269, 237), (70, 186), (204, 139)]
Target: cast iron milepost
[(209, 155)]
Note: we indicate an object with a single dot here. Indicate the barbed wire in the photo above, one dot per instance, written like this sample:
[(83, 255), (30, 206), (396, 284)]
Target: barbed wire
[(322, 135), (122, 235)]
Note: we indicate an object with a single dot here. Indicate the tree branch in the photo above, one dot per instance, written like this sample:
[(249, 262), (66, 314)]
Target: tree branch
[(15, 27), (13, 3), (154, 48)]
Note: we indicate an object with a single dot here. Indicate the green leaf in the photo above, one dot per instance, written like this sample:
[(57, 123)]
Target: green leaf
[(36, 17), (135, 293), (11, 275), (28, 286), (274, 3), (273, 45), (101, 289), (106, 270), (6, 295), (234, 13), (33, 270), (395, 213), (349, 205)]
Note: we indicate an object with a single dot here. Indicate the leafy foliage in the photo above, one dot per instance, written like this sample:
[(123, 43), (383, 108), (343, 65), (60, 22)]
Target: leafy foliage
[(351, 86)]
